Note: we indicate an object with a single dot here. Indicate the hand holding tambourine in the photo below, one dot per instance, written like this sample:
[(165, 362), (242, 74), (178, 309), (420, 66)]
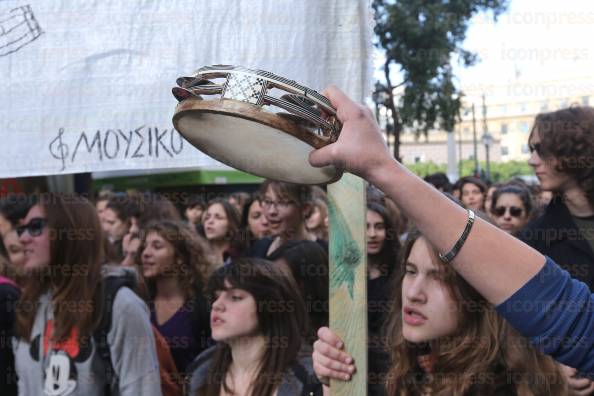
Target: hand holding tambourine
[(361, 148)]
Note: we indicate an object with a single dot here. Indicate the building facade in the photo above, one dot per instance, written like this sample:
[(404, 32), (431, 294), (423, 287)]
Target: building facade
[(507, 116)]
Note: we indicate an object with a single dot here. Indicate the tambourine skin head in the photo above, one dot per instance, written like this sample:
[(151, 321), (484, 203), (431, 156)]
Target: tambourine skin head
[(245, 137)]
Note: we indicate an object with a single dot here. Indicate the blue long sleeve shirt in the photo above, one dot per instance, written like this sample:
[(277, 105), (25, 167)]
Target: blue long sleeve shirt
[(556, 312)]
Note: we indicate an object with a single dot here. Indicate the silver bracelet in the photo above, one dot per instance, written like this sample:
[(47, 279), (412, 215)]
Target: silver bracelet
[(449, 256)]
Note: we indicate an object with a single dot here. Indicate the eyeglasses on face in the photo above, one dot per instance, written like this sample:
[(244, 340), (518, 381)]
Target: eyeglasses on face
[(514, 211), (268, 203), (535, 147), (34, 227)]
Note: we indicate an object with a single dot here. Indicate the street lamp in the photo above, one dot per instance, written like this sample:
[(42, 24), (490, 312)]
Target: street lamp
[(487, 139), (379, 97)]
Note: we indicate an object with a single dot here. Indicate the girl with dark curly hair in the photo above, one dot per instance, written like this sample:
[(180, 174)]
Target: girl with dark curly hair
[(562, 146), (175, 268)]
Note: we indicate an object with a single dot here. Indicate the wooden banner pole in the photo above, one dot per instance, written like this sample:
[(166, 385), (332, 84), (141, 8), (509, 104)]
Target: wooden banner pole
[(348, 277)]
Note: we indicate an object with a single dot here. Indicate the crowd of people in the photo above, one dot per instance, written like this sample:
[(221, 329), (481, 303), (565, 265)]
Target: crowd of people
[(132, 293)]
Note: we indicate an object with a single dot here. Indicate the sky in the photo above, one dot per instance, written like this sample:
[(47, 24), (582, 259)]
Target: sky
[(535, 46)]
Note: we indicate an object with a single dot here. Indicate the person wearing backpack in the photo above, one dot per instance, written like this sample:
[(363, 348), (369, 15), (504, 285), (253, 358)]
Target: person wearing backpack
[(114, 278), (56, 346)]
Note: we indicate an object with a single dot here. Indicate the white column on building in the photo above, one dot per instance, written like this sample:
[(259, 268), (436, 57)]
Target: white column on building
[(452, 160)]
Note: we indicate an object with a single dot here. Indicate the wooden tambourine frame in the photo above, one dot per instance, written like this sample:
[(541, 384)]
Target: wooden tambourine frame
[(247, 127)]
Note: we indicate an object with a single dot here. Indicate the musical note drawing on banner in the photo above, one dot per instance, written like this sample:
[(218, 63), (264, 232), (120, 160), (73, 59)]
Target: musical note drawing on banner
[(18, 27), (116, 144), (58, 149)]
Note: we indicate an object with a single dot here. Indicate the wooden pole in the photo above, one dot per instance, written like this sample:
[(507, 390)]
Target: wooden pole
[(348, 277)]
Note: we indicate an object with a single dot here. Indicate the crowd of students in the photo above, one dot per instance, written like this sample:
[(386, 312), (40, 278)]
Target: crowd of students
[(135, 294)]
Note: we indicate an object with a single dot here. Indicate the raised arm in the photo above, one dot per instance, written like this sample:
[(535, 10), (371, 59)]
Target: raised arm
[(492, 261), (555, 311)]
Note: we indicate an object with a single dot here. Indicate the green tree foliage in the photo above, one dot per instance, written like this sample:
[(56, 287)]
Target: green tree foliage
[(500, 171), (421, 38)]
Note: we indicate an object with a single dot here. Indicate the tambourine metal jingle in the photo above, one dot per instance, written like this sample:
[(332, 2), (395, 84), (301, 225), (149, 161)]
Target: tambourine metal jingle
[(237, 127)]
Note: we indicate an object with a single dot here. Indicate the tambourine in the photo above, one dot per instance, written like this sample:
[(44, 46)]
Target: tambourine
[(243, 122)]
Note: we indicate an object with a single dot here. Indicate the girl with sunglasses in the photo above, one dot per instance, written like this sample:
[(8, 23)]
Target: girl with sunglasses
[(528, 289), (258, 319), (57, 314), (511, 207)]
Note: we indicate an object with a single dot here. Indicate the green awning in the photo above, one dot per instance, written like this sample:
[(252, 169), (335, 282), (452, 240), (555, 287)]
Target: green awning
[(178, 179)]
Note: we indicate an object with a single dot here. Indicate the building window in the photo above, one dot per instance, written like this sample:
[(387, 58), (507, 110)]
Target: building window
[(585, 101), (544, 106), (503, 109), (522, 107), (504, 150), (525, 148), (523, 126), (564, 104), (466, 130), (504, 129)]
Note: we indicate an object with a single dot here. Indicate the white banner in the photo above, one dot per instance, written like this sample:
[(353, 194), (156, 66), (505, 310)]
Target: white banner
[(86, 85)]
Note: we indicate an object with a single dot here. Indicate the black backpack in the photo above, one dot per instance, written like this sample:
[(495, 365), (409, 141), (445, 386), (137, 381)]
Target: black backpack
[(111, 284), (200, 320), (311, 385)]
